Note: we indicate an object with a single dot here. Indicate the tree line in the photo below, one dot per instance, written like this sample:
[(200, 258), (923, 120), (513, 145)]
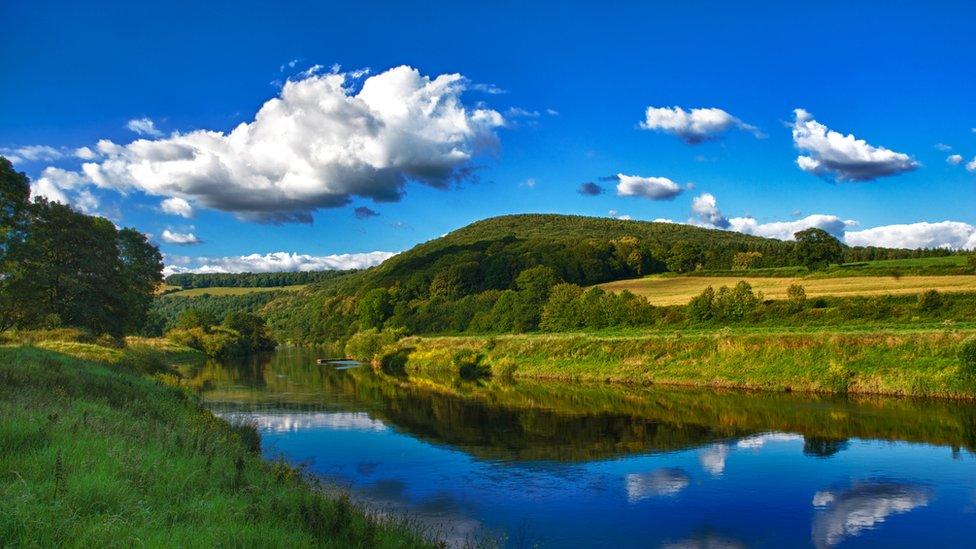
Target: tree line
[(251, 280)]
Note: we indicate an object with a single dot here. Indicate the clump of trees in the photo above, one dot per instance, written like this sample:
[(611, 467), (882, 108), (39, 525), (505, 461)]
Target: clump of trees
[(59, 267), (728, 304), (251, 280), (817, 249), (238, 334)]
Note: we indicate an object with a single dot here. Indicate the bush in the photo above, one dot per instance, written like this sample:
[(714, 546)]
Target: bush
[(144, 360), (702, 307), (735, 303), (929, 301), (367, 345), (796, 297), (470, 365), (967, 357)]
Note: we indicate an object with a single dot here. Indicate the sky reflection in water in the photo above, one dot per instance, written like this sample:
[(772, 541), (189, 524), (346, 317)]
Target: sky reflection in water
[(570, 466)]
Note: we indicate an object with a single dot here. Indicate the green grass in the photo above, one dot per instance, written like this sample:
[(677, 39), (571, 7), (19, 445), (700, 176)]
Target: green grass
[(95, 455), (910, 362), (232, 290)]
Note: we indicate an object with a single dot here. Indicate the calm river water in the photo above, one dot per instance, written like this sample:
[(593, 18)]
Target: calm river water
[(523, 464)]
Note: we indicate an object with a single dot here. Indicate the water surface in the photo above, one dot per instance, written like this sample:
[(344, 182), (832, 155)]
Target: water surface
[(523, 464)]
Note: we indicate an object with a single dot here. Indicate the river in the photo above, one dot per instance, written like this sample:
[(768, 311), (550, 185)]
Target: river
[(524, 464)]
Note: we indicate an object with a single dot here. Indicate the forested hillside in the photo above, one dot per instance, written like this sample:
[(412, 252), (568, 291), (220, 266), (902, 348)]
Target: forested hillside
[(250, 280), (496, 275)]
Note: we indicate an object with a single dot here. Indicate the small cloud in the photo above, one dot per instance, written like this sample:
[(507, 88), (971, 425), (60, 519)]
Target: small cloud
[(180, 239), (401, 226), (362, 212), (143, 126), (954, 159), (590, 189), (943, 147), (694, 126), (971, 165), (552, 112), (530, 183), (518, 112), (291, 65), (843, 157), (85, 153), (796, 213), (705, 208), (617, 215), (31, 153), (176, 206), (653, 188), (490, 89)]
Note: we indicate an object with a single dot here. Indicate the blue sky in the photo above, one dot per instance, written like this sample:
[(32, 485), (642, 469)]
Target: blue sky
[(577, 81)]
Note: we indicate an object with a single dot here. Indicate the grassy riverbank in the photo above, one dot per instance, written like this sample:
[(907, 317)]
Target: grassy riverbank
[(93, 453), (908, 362)]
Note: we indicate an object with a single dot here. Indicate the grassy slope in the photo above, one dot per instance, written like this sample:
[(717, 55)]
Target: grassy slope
[(678, 290), (919, 363), (233, 290), (94, 455)]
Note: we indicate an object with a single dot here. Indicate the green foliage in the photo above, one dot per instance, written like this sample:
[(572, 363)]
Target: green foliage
[(252, 280), (368, 345), (702, 307), (743, 261), (796, 297), (165, 313), (571, 308), (375, 306), (59, 267), (685, 256), (930, 300), (967, 357), (239, 334), (817, 249), (470, 365)]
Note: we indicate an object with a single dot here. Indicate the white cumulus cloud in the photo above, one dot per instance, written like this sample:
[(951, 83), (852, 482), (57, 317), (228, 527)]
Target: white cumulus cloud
[(143, 126), (693, 126), (176, 206), (843, 157), (705, 210), (30, 153), (316, 145), (971, 165), (276, 262), (654, 188), (181, 239), (943, 234), (844, 513), (784, 230), (954, 159)]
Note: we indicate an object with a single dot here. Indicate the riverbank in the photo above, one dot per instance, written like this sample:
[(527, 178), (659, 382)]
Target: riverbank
[(921, 363), (96, 452)]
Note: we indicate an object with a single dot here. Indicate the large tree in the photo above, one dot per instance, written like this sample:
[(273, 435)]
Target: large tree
[(817, 249), (65, 268)]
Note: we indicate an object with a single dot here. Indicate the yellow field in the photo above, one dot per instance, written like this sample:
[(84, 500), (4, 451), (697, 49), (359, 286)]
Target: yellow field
[(227, 290), (680, 289)]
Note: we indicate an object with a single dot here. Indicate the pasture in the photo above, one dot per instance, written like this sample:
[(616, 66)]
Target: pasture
[(679, 290), (233, 290)]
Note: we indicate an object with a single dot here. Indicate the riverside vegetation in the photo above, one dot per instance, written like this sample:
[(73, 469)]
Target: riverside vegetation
[(98, 446)]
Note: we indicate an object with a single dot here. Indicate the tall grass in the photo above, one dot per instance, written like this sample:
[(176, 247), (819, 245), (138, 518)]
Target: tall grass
[(896, 363), (92, 454)]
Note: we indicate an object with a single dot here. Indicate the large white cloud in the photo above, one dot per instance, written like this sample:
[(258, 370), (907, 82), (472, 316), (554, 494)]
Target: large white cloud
[(843, 157), (654, 188), (694, 126), (275, 262), (943, 234), (316, 145)]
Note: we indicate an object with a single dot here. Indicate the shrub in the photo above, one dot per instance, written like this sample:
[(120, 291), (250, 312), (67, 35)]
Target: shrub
[(702, 307), (967, 357), (929, 301), (796, 296), (470, 365), (366, 345), (144, 360), (735, 303)]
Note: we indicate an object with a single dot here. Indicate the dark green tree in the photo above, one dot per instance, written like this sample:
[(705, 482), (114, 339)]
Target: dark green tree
[(817, 249), (14, 196), (375, 306), (685, 256), (141, 274)]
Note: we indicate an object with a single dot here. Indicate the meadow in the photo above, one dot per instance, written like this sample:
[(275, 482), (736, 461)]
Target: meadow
[(232, 290), (910, 362), (679, 290), (99, 451)]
